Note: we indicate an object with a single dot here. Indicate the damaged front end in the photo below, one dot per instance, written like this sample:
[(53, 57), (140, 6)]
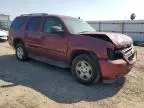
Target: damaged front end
[(127, 53), (119, 46), (120, 55)]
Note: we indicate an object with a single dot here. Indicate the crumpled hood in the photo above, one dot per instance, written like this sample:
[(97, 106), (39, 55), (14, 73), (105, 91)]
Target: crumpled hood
[(120, 39), (3, 33), (117, 38)]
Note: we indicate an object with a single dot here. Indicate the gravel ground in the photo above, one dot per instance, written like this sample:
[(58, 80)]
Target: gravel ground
[(33, 84)]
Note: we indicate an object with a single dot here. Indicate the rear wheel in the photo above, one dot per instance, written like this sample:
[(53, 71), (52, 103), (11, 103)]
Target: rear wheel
[(21, 52), (85, 69)]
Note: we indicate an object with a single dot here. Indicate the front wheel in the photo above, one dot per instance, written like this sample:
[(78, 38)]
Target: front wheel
[(21, 52), (85, 69)]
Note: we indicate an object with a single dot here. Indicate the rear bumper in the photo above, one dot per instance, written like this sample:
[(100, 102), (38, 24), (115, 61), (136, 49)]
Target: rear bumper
[(116, 68)]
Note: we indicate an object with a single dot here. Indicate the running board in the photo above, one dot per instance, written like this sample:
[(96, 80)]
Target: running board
[(60, 64)]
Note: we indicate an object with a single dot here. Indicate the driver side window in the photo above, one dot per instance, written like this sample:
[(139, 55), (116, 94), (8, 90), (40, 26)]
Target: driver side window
[(51, 22)]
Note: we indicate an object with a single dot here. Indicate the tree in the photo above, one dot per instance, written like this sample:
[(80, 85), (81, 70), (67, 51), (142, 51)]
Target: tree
[(132, 16)]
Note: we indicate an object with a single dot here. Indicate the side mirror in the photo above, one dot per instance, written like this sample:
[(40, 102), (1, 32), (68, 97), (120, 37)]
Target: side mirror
[(57, 29)]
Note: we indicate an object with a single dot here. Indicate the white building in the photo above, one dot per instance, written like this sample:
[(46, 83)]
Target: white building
[(4, 21), (134, 29)]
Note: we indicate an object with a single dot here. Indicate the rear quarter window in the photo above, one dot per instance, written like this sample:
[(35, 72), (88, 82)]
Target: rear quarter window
[(18, 23)]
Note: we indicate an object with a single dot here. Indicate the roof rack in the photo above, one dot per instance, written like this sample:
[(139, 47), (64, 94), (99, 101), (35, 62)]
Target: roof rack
[(34, 14)]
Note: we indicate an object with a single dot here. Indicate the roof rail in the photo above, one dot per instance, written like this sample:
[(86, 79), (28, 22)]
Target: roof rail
[(34, 14)]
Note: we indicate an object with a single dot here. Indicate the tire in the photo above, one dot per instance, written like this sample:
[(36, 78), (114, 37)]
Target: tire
[(21, 52), (88, 73)]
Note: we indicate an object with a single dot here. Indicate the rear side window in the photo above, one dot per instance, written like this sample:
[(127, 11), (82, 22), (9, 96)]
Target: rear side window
[(18, 23), (34, 24)]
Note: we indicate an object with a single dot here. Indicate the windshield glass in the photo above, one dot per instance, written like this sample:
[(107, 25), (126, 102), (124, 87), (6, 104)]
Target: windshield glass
[(78, 26)]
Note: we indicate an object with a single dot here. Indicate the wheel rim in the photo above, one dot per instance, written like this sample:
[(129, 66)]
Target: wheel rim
[(84, 70), (20, 52)]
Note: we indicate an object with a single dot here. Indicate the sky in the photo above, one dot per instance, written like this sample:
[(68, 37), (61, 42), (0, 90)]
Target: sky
[(86, 9)]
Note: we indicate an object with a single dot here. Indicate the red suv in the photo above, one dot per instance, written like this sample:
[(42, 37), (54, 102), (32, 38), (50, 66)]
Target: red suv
[(71, 42)]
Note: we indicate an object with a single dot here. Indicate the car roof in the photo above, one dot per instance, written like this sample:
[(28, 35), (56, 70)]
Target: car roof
[(44, 14)]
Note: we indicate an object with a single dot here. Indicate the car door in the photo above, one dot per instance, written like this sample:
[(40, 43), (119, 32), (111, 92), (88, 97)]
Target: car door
[(54, 45), (33, 38)]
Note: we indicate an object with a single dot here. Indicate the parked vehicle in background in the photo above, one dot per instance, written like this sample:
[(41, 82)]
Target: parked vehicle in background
[(3, 34), (71, 42)]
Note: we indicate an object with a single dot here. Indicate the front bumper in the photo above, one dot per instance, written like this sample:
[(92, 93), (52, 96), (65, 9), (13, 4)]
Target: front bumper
[(116, 68), (3, 37)]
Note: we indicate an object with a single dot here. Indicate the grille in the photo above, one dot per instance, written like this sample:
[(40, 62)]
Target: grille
[(2, 36), (131, 57), (128, 53)]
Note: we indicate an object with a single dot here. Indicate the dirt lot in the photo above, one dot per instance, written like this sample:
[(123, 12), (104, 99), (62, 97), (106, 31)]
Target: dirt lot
[(33, 84)]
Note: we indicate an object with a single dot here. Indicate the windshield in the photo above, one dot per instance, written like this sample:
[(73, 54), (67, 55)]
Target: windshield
[(77, 25)]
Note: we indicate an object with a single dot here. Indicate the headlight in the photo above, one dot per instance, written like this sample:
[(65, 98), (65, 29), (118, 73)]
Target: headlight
[(110, 54), (114, 54)]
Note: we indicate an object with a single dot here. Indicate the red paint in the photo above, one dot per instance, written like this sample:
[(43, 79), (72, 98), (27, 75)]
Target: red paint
[(61, 46)]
